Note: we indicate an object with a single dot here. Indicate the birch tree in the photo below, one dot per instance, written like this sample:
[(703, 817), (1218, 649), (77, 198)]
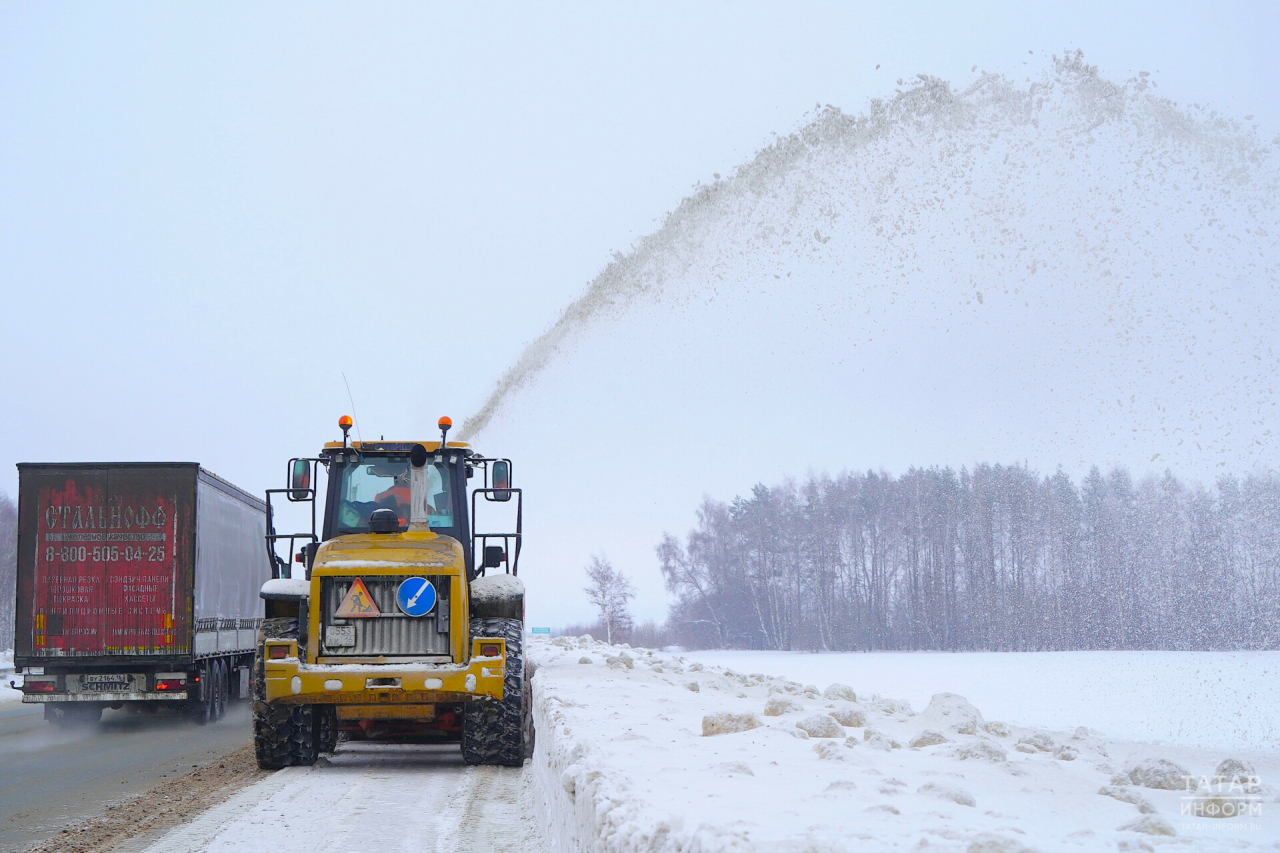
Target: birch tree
[(610, 591)]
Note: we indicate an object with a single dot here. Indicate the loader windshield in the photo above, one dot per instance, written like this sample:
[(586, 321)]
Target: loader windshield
[(384, 483)]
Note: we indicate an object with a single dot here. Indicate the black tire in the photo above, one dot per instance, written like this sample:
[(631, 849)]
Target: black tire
[(283, 735), (215, 691), (200, 705), (222, 688), (494, 732), (527, 718), (326, 725)]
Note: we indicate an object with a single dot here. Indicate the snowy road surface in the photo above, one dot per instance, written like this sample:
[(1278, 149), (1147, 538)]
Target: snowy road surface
[(385, 798), (53, 777)]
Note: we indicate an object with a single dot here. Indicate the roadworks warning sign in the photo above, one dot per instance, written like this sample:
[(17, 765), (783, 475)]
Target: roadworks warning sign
[(357, 602)]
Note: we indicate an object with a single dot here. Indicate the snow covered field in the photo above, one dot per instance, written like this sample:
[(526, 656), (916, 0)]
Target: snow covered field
[(625, 763), (1228, 700)]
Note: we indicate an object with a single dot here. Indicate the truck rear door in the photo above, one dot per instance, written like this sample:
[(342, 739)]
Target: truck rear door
[(105, 559)]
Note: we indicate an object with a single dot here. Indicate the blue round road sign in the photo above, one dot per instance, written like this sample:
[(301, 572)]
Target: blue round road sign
[(416, 596)]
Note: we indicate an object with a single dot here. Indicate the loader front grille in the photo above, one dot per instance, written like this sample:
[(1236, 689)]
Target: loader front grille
[(390, 634)]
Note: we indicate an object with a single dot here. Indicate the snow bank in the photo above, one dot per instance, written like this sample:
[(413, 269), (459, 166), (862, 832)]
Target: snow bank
[(496, 588), (623, 765), (8, 694), (1212, 700)]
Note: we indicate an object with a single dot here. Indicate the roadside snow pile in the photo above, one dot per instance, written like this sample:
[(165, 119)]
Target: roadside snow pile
[(496, 588), (641, 750), (8, 694)]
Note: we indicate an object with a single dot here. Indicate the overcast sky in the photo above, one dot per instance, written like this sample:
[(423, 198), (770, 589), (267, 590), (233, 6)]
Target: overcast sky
[(210, 213)]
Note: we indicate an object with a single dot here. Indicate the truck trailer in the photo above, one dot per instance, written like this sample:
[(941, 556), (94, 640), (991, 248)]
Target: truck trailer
[(137, 586)]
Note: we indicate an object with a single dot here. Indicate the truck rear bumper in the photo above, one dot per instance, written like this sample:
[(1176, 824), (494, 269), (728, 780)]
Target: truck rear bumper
[(42, 698), (292, 682)]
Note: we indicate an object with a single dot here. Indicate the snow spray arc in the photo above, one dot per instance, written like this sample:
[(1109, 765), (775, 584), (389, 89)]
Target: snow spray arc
[(1111, 257)]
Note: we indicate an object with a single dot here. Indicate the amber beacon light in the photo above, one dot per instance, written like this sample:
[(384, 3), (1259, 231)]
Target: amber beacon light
[(345, 423), (444, 425)]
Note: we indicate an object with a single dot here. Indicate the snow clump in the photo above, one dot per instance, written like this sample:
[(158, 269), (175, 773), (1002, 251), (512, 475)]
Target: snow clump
[(621, 660), (849, 715), (840, 692), (877, 740), (951, 712), (1158, 773), (947, 792), (981, 750), (584, 659), (1039, 742), (735, 768), (989, 842), (831, 751), (1151, 825), (820, 725), (726, 723), (777, 705), (929, 737), (1125, 795), (1234, 769)]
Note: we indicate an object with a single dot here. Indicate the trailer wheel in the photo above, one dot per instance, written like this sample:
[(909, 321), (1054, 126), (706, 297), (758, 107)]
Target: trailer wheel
[(283, 735), (215, 691), (224, 687), (200, 706), (493, 732)]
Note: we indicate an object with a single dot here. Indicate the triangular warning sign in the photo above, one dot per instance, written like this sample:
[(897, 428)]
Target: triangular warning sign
[(358, 602)]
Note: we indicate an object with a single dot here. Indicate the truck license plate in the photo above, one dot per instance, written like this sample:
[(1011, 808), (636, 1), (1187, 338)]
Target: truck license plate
[(340, 635), (105, 683)]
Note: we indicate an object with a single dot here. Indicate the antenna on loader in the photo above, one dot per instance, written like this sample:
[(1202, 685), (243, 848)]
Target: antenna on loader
[(352, 401)]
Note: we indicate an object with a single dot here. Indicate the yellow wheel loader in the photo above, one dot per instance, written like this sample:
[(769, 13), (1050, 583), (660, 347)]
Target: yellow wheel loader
[(395, 620)]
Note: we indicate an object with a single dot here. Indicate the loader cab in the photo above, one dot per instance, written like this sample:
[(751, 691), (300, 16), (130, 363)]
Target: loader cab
[(391, 487), (361, 482)]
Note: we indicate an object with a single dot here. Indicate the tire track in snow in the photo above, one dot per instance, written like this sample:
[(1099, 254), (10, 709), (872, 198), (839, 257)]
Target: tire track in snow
[(384, 797)]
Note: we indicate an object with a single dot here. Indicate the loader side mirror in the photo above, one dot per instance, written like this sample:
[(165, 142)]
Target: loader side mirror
[(501, 480), (494, 556), (299, 480)]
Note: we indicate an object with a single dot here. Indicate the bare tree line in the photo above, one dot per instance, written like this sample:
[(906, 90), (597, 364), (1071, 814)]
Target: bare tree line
[(993, 558), (8, 569)]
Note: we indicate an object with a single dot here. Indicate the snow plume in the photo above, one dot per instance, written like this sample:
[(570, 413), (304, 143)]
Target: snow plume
[(1094, 263), (1067, 274)]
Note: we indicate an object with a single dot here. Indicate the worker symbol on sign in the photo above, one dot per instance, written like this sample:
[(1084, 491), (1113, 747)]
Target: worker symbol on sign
[(357, 603), (416, 596)]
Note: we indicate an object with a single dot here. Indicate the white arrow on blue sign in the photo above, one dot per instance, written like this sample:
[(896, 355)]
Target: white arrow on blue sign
[(416, 596)]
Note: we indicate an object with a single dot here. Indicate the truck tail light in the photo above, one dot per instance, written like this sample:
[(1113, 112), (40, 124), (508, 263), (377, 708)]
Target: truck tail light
[(41, 686), (170, 683), (278, 652), (490, 650)]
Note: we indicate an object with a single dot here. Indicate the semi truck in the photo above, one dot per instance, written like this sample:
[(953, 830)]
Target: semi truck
[(395, 619), (137, 586)]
